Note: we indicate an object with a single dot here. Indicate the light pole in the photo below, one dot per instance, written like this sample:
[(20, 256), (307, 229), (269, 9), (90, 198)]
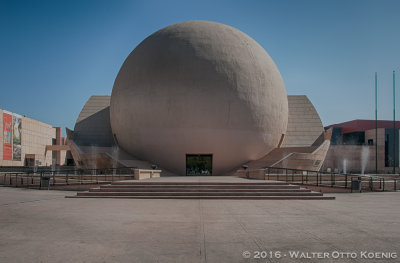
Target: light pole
[(376, 123), (394, 127)]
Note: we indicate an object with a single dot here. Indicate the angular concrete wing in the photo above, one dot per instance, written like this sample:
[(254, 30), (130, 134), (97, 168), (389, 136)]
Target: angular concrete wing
[(304, 125), (92, 128)]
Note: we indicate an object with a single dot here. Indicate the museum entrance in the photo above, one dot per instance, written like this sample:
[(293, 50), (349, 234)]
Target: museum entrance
[(198, 164)]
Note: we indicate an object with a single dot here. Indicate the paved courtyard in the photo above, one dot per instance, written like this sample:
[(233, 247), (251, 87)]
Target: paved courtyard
[(44, 226)]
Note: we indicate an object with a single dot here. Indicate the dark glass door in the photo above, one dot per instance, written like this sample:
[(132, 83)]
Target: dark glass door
[(198, 164)]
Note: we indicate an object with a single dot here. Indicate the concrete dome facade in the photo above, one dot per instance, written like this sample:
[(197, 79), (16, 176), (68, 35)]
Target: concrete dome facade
[(198, 87)]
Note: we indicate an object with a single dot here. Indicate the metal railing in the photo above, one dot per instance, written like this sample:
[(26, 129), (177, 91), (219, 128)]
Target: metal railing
[(332, 179), (47, 178)]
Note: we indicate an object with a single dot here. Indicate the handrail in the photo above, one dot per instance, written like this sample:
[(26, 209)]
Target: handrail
[(295, 169), (47, 169), (331, 179), (66, 177), (281, 160)]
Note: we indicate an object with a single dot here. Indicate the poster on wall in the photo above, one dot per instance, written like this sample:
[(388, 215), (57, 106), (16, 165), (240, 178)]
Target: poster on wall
[(17, 137), (7, 136)]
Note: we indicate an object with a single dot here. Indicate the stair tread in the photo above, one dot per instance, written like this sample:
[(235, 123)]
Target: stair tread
[(200, 193), (194, 190), (215, 197), (242, 186), (203, 190), (197, 183)]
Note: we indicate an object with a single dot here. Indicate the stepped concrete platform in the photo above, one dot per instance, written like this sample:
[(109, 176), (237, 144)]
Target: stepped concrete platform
[(209, 187)]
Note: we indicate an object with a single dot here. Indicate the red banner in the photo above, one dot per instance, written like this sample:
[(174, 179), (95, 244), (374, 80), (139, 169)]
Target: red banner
[(7, 137)]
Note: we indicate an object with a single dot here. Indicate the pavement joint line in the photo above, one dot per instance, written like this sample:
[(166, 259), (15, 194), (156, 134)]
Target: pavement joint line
[(203, 243), (321, 240), (331, 245), (290, 226), (255, 240), (31, 201)]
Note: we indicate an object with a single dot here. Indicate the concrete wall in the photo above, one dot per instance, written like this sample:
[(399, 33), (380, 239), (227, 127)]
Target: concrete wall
[(347, 158), (92, 128), (371, 134), (304, 124), (35, 135), (350, 157)]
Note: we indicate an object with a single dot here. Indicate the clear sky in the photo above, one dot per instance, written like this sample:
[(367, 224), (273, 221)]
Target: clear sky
[(55, 54)]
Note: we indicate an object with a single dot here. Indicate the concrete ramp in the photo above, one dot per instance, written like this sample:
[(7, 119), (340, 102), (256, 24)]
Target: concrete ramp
[(278, 155), (306, 158)]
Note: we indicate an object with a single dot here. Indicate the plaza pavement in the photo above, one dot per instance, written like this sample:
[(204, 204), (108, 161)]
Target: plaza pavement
[(44, 226)]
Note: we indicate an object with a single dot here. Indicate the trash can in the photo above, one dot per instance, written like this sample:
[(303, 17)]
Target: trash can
[(45, 181), (356, 184)]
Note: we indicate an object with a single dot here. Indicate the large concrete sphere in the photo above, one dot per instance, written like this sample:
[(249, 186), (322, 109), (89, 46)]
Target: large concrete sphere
[(198, 87)]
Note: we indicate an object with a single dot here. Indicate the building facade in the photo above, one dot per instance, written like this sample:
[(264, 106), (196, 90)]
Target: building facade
[(24, 141), (354, 145), (198, 98)]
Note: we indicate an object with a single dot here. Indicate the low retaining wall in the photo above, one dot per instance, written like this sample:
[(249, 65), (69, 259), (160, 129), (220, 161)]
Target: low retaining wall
[(140, 174), (251, 174)]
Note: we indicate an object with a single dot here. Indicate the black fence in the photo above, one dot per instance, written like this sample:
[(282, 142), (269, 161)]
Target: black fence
[(316, 178), (47, 178)]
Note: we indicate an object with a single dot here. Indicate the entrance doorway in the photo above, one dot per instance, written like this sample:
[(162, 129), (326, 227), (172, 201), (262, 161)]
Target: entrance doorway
[(30, 160), (198, 164)]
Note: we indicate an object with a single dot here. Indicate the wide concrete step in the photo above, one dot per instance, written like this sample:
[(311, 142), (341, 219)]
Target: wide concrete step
[(200, 194), (197, 183), (193, 189), (158, 186), (216, 197), (272, 190)]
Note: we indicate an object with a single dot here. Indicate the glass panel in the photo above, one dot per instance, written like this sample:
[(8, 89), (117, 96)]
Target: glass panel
[(198, 164)]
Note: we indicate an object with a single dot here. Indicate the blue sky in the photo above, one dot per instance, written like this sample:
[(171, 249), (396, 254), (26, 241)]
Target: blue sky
[(55, 54)]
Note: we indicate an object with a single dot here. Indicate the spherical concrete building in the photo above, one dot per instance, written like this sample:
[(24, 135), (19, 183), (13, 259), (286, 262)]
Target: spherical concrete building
[(198, 97)]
